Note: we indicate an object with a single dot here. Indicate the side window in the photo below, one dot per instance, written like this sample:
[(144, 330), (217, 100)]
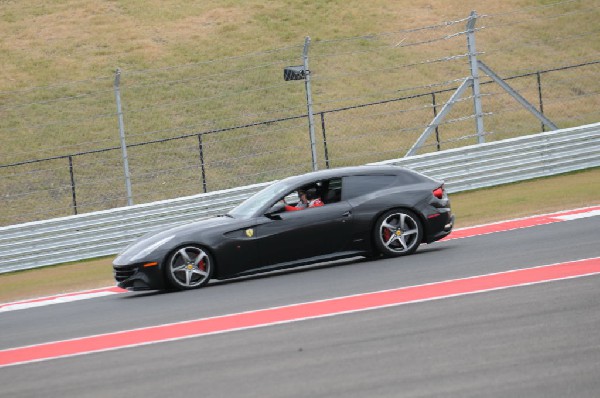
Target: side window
[(292, 198), (355, 186), (316, 194), (331, 190)]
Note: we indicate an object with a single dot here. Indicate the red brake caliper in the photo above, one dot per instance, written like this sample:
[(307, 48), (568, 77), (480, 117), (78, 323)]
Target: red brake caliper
[(201, 265), (387, 234)]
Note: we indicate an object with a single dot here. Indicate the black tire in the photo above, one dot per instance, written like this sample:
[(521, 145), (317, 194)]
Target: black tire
[(398, 232), (189, 267)]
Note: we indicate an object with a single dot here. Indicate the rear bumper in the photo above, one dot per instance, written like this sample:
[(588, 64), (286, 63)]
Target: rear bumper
[(440, 227)]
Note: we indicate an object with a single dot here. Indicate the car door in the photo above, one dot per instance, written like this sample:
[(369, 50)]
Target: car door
[(304, 234)]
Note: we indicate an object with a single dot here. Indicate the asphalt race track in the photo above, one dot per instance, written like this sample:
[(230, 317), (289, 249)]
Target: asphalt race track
[(534, 340)]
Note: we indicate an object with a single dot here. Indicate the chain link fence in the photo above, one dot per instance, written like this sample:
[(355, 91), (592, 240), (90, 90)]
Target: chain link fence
[(234, 121)]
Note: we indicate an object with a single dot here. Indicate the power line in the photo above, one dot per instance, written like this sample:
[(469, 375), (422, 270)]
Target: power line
[(394, 68)]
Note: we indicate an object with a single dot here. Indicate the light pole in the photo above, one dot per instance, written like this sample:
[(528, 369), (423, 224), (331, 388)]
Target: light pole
[(303, 73)]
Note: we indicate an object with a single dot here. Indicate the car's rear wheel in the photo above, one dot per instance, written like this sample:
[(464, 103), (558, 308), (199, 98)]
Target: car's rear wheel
[(189, 267), (398, 232)]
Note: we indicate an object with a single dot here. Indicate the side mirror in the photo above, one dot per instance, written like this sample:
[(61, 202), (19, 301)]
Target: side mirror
[(273, 212)]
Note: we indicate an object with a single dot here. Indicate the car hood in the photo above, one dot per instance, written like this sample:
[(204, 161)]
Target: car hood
[(154, 244)]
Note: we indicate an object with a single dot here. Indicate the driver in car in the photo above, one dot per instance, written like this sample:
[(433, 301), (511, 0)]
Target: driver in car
[(308, 198)]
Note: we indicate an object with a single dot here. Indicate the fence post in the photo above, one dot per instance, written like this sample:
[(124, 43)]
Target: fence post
[(71, 172), (539, 82), (324, 140), (201, 147), (122, 137), (309, 103), (475, 76), (437, 131)]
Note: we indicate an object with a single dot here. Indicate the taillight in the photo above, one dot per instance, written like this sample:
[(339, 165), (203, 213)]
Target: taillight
[(439, 192)]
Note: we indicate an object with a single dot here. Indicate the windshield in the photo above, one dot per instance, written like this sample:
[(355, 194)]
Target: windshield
[(261, 199)]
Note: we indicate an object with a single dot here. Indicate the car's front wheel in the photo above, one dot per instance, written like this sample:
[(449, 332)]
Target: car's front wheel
[(398, 232), (189, 267)]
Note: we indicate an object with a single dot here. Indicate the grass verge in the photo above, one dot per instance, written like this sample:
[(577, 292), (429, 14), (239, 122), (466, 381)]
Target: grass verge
[(539, 196)]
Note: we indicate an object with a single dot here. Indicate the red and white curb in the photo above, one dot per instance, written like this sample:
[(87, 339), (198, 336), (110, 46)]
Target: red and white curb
[(525, 222), (456, 234), (298, 312)]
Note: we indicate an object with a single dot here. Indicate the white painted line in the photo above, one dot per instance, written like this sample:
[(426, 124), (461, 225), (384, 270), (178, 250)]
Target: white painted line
[(298, 312), (577, 216), (56, 300)]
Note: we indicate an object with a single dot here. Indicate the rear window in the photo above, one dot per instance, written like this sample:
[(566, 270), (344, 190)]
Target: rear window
[(359, 185)]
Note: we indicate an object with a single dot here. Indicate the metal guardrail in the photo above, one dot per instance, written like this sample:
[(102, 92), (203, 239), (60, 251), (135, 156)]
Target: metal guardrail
[(60, 240), (511, 160)]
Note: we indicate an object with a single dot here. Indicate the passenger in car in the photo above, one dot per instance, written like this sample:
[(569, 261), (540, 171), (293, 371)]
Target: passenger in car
[(313, 198)]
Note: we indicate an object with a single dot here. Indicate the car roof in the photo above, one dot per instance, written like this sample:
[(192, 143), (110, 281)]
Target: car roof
[(343, 172)]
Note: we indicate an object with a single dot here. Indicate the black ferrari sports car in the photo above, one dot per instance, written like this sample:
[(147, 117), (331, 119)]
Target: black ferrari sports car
[(320, 216)]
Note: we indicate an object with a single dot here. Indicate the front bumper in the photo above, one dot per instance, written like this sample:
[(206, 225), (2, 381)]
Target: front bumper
[(137, 277)]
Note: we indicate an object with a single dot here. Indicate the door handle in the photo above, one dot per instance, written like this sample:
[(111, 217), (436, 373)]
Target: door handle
[(347, 214)]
